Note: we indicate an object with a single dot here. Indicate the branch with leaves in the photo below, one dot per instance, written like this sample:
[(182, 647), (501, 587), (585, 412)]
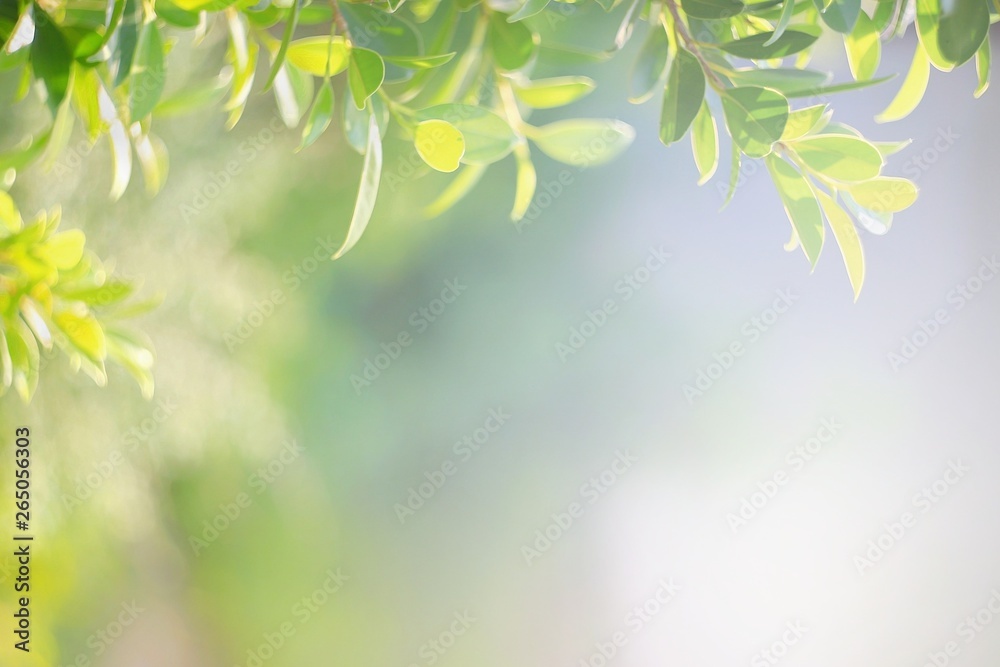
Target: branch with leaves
[(454, 77)]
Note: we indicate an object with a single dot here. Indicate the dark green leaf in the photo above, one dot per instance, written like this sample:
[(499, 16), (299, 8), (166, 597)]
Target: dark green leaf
[(148, 73), (755, 47), (51, 59), (712, 9), (962, 30), (512, 44), (682, 97), (840, 15)]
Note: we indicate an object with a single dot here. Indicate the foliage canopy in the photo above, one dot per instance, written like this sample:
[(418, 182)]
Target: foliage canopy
[(455, 78)]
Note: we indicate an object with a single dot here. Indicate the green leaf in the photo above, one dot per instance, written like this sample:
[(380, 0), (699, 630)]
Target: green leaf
[(712, 9), (800, 206), (682, 97), (371, 174), (513, 45), (148, 73), (456, 190), (583, 142), (885, 194), (366, 74), (840, 15), (319, 116), (439, 144), (756, 118), (126, 38), (787, 11), (389, 35), (839, 157), (963, 30), (705, 143), (756, 47), (864, 48), (312, 54), (421, 62), (823, 91), (286, 39), (86, 84), (803, 121), (928, 19), (847, 238), (649, 66), (51, 59), (885, 12), (983, 67), (527, 181), (85, 333), (911, 92), (787, 81), (529, 8), (488, 137), (555, 92), (171, 14)]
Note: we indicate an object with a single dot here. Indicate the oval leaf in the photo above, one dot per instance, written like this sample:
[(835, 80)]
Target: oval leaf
[(439, 144), (554, 92), (314, 54), (885, 194), (512, 44), (760, 46), (488, 137), (365, 74), (756, 118), (584, 142), (839, 157)]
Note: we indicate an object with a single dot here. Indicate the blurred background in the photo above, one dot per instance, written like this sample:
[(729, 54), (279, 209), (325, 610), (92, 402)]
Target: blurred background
[(532, 479)]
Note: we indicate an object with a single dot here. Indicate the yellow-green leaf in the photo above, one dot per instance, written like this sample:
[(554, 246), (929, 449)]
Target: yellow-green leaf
[(983, 68), (884, 194), (800, 205), (803, 121), (320, 56), (705, 143), (85, 333), (555, 92), (912, 91), (527, 180), (439, 144), (840, 157), (864, 48), (847, 238)]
